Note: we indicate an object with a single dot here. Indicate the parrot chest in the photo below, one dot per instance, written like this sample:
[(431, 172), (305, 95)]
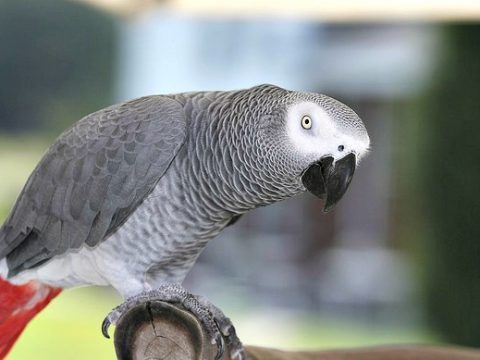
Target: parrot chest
[(162, 239)]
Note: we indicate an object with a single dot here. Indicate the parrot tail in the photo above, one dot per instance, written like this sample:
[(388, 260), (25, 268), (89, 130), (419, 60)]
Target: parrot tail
[(18, 305)]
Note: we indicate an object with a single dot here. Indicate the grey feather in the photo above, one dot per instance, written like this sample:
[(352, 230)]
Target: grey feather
[(234, 220), (91, 179)]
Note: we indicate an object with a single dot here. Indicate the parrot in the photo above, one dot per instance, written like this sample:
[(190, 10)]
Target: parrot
[(130, 195)]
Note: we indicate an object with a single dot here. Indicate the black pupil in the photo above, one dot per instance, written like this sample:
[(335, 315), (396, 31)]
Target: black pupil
[(307, 120), (341, 147)]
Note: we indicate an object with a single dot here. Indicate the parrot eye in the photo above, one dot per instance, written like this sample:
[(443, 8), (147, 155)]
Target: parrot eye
[(306, 122), (341, 148)]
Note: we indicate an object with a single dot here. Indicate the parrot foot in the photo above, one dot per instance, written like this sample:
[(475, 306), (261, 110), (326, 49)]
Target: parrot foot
[(216, 324)]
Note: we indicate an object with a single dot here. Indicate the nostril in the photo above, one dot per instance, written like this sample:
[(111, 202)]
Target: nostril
[(341, 148)]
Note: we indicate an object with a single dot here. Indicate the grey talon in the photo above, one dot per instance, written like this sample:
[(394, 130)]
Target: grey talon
[(220, 347), (105, 325)]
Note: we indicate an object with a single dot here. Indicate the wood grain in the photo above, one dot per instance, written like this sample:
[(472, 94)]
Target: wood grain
[(161, 331)]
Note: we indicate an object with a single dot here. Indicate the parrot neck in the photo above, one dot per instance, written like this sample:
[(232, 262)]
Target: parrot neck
[(231, 174)]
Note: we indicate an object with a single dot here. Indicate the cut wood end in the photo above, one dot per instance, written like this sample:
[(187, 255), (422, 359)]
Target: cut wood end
[(159, 330)]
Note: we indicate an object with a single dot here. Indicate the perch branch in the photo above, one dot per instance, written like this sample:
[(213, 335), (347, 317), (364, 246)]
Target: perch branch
[(164, 331)]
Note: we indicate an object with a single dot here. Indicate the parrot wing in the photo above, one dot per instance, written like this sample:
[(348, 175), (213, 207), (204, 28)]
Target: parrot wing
[(91, 179), (234, 219)]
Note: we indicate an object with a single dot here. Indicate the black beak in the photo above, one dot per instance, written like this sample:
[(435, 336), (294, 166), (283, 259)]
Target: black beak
[(330, 182)]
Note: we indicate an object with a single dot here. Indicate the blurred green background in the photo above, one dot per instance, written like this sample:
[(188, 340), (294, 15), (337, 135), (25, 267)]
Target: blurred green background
[(408, 269)]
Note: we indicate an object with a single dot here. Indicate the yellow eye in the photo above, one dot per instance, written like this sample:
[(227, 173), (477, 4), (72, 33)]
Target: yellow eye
[(306, 122)]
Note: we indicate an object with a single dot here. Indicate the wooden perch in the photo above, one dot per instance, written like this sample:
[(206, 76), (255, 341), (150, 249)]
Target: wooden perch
[(165, 331)]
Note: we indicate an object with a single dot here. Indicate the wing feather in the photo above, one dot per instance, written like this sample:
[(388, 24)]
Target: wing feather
[(91, 179)]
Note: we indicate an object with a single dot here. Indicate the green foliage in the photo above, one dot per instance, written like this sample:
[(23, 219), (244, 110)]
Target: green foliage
[(18, 157), (450, 161), (55, 62)]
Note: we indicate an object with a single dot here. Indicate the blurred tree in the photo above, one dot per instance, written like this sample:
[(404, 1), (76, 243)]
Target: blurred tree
[(55, 63), (451, 161)]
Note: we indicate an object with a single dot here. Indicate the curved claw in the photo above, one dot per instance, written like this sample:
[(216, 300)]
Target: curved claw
[(105, 325), (240, 355), (220, 347), (233, 342)]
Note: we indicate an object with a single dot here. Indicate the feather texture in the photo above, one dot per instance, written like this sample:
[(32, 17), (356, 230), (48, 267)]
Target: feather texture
[(90, 180)]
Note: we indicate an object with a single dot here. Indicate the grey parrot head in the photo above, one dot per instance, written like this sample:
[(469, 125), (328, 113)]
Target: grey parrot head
[(313, 140)]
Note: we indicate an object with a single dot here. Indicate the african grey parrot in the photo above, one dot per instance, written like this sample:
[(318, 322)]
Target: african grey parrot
[(130, 195)]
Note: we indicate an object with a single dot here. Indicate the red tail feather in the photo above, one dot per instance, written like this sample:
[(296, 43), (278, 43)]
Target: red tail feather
[(18, 305)]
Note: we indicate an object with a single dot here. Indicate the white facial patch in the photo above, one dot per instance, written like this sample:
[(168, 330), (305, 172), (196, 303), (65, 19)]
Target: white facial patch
[(324, 138)]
